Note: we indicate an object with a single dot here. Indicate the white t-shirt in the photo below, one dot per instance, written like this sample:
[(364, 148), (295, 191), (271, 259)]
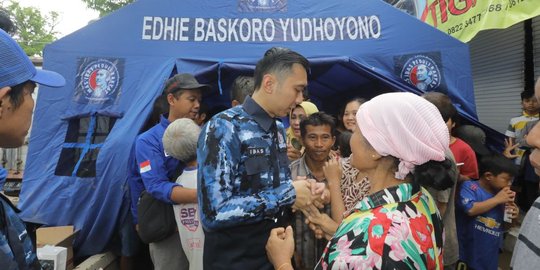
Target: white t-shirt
[(189, 223)]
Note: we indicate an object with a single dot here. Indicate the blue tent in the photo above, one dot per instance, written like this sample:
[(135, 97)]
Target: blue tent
[(116, 67)]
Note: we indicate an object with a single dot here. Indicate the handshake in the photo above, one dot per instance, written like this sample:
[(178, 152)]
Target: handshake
[(309, 192), (310, 197)]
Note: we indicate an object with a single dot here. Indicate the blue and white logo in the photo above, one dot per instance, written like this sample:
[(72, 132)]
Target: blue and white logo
[(100, 79), (262, 5), (422, 72)]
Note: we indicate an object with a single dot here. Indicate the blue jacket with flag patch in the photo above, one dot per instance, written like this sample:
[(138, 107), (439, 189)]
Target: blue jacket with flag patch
[(150, 168)]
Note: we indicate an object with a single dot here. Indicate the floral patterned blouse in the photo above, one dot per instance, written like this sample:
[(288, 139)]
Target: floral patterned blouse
[(395, 228)]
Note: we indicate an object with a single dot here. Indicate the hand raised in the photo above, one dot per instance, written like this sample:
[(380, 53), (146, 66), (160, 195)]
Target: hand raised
[(509, 147), (292, 153), (332, 172)]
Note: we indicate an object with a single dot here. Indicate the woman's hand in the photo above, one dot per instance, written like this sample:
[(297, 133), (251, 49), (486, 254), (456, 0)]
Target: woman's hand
[(280, 247), (332, 172), (322, 221)]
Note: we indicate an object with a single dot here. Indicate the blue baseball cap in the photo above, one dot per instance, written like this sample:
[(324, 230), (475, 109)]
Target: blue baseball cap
[(16, 67)]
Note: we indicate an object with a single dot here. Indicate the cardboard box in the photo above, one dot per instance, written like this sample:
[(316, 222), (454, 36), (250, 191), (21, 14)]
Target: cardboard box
[(61, 236)]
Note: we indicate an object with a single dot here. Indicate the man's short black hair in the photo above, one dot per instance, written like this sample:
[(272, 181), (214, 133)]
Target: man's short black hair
[(318, 119), (16, 94), (527, 94), (497, 164), (444, 104), (277, 60), (242, 87)]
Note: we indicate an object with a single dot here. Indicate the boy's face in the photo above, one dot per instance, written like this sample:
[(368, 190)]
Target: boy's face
[(530, 105), (15, 122), (186, 105), (499, 181)]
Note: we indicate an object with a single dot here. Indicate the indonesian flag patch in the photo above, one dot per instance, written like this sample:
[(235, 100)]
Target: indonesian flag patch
[(145, 166)]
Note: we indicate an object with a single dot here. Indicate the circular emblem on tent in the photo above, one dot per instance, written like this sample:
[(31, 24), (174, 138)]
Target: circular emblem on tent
[(422, 72), (266, 4), (99, 79)]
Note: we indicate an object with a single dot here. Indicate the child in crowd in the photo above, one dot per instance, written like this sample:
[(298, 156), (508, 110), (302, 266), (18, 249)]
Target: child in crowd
[(481, 210), (526, 181), (463, 154), (516, 128), (180, 141)]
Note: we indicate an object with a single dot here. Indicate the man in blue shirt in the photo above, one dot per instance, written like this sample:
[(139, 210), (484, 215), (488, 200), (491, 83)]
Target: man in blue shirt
[(18, 78), (245, 187), (155, 169)]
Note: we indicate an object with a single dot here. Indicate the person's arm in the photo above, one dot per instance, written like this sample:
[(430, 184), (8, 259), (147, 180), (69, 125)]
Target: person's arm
[(322, 220), (511, 132), (332, 172), (218, 156), (504, 196), (181, 194), (151, 162)]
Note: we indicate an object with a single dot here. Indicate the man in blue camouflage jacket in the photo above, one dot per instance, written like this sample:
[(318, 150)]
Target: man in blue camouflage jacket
[(245, 187)]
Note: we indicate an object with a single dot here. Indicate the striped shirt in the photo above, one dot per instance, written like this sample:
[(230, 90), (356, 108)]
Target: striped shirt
[(527, 249), (516, 129)]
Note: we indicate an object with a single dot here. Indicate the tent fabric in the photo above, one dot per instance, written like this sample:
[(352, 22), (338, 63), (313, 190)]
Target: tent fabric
[(117, 67)]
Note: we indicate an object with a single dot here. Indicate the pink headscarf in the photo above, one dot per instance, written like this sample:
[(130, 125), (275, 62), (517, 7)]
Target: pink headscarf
[(405, 126)]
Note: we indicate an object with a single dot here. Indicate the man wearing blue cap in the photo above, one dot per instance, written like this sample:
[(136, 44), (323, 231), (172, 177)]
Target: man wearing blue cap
[(18, 78)]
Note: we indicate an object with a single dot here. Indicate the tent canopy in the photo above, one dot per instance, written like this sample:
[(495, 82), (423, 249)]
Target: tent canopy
[(116, 67)]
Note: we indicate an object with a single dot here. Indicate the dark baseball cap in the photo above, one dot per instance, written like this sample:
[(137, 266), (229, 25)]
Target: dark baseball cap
[(184, 81), (16, 67)]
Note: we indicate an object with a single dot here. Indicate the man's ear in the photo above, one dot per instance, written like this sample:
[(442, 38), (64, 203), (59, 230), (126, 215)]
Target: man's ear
[(4, 91), (3, 95), (268, 82), (489, 176), (170, 99)]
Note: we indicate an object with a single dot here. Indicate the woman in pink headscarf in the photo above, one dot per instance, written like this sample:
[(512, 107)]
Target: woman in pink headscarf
[(400, 143)]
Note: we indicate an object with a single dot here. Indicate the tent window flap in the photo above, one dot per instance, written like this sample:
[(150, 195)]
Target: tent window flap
[(84, 138)]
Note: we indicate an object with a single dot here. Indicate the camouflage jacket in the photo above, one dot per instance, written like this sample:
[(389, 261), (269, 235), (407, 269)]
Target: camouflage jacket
[(237, 154)]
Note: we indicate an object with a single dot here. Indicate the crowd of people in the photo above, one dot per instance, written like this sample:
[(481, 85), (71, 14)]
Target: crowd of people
[(389, 183), (392, 182)]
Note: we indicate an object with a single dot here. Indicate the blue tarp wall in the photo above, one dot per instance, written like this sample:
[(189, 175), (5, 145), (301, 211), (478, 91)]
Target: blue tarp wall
[(116, 67)]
